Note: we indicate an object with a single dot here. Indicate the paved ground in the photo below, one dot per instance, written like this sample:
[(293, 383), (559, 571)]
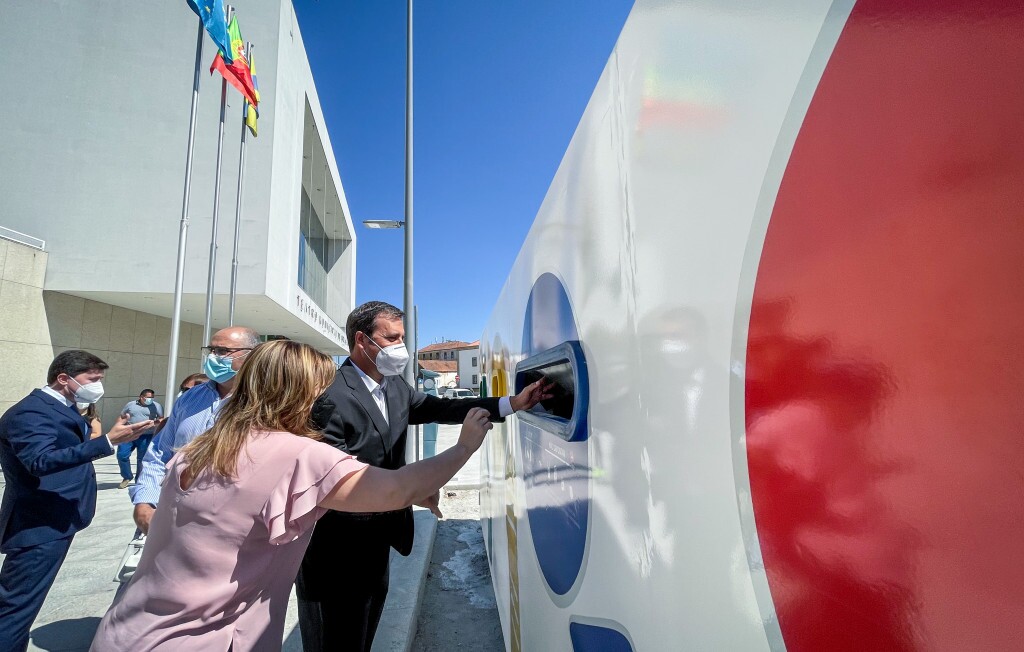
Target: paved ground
[(84, 587), (458, 610), (469, 476)]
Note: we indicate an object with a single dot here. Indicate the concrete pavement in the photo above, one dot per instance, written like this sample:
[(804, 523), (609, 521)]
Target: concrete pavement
[(469, 476)]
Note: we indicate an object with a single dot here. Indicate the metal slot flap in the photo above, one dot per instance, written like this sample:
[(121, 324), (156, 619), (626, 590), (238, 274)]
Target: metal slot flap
[(564, 366)]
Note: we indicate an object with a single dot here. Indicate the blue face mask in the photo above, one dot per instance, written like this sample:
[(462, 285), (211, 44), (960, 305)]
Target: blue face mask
[(218, 369)]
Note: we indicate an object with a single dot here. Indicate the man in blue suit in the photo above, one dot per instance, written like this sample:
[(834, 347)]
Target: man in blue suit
[(50, 494)]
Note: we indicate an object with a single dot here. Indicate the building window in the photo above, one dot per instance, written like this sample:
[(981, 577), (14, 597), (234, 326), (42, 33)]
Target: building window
[(476, 379), (321, 225), (473, 364)]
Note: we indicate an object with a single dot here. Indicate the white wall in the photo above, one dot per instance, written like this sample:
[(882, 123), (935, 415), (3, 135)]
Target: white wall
[(94, 157), (467, 369), (36, 325)]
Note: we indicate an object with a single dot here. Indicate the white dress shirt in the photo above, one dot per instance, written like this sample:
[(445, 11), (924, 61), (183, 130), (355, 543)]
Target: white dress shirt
[(60, 397), (376, 392)]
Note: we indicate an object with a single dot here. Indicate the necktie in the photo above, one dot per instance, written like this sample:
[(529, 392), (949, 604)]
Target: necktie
[(382, 402)]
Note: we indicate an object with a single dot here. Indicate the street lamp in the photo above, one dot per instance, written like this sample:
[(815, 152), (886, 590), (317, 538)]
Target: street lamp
[(411, 369), (383, 224), (408, 309)]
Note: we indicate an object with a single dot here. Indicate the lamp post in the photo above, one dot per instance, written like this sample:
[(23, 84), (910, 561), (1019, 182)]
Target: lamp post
[(411, 369), (408, 306)]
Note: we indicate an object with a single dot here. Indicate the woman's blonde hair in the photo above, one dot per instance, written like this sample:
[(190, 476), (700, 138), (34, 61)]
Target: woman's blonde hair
[(275, 391)]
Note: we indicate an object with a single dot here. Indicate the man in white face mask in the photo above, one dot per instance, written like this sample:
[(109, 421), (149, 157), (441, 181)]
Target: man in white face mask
[(343, 580), (50, 494)]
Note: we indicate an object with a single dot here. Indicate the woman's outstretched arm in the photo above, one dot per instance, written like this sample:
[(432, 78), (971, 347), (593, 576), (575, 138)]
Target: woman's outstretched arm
[(380, 490)]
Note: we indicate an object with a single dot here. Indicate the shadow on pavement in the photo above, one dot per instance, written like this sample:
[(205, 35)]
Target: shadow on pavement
[(66, 635)]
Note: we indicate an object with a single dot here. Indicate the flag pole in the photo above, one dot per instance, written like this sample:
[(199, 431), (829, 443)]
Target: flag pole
[(207, 323), (179, 271), (238, 204)]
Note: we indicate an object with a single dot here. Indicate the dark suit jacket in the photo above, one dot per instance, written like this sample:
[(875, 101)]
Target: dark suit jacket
[(353, 423), (46, 456)]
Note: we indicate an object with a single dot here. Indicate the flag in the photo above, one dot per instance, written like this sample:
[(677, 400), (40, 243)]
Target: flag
[(236, 72), (211, 12), (251, 112)]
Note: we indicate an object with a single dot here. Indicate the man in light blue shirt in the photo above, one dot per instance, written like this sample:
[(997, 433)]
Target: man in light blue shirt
[(192, 415)]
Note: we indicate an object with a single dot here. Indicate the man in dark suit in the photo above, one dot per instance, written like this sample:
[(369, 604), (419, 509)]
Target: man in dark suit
[(50, 493), (343, 580)]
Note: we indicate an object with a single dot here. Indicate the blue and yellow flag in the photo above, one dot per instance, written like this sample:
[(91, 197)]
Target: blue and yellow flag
[(211, 12)]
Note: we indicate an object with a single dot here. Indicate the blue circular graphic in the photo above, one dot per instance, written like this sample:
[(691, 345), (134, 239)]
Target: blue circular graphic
[(556, 472)]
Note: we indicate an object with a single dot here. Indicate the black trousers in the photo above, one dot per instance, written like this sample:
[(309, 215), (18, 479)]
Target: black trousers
[(345, 618), (25, 579)]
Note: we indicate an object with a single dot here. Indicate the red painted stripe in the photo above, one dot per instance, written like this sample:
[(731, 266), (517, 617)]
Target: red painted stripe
[(885, 372)]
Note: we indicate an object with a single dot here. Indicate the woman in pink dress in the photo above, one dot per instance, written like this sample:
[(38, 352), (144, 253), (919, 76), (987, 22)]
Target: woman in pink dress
[(238, 507)]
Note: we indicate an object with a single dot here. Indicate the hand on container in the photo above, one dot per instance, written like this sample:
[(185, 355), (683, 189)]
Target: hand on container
[(531, 395)]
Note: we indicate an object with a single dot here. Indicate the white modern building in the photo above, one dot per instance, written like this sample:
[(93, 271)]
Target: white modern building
[(469, 367), (457, 361), (95, 135)]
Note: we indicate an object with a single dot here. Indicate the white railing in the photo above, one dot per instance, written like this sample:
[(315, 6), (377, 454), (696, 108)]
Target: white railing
[(22, 238)]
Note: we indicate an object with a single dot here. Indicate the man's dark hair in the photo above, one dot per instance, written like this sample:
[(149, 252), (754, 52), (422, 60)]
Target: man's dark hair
[(147, 391), (361, 319), (72, 363)]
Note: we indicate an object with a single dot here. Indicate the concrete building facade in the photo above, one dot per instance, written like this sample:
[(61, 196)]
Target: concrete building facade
[(94, 161), (458, 361), (469, 368)]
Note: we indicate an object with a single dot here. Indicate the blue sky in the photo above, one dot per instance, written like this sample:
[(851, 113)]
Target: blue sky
[(499, 88)]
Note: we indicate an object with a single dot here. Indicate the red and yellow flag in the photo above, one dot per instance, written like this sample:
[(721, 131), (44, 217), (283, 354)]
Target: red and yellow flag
[(251, 112), (237, 72)]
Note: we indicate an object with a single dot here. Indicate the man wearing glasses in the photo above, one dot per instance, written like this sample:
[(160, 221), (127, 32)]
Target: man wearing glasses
[(193, 414)]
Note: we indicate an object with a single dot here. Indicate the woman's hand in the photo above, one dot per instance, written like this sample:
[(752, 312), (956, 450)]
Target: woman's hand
[(476, 425)]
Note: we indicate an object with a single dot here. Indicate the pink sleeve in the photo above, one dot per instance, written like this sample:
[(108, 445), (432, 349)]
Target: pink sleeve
[(292, 507)]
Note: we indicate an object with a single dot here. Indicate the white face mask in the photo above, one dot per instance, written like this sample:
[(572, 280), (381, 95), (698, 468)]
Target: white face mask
[(89, 393), (82, 406), (392, 359)]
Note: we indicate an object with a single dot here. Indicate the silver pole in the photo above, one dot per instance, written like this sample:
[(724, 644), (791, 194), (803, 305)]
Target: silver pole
[(410, 316), (207, 323), (416, 375), (179, 271), (216, 216), (238, 206), (410, 331)]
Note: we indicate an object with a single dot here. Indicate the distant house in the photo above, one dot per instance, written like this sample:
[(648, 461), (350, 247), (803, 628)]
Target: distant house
[(448, 370), (463, 358)]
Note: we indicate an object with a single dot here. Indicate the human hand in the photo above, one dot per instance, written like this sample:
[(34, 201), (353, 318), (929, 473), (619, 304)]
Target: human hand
[(432, 502), (125, 432), (143, 515), (476, 425), (531, 395)]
